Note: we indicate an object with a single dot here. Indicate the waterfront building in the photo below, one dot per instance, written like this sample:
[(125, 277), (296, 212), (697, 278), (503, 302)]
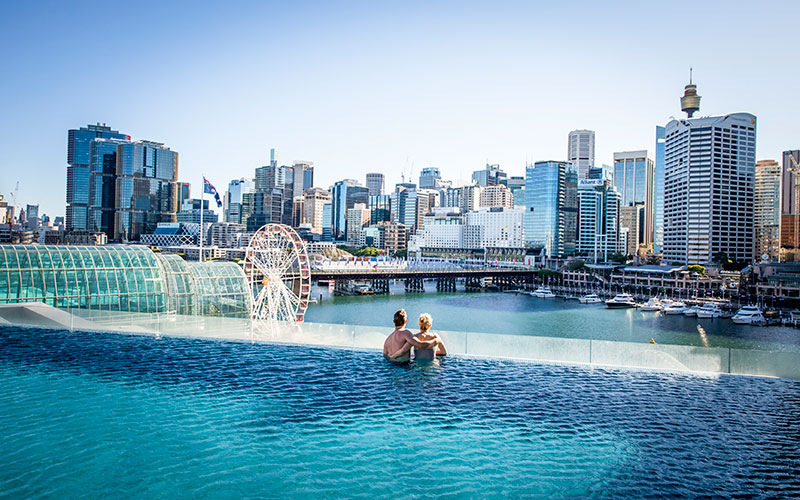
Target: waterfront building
[(344, 195), (78, 156), (232, 206), (315, 200), (190, 212), (767, 211), (375, 183), (634, 180), (496, 196), (492, 175), (442, 228), (357, 218), (709, 188), (146, 189), (551, 207), (173, 234), (380, 208), (496, 227), (658, 191), (103, 184), (580, 151), (121, 278), (429, 177), (227, 235), (598, 225), (790, 204)]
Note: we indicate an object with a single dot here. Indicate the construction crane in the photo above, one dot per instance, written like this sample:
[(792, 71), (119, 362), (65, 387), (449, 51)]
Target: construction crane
[(16, 203)]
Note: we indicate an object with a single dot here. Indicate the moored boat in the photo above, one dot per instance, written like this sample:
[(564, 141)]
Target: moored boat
[(674, 308), (543, 292), (590, 299), (749, 315), (620, 301), (709, 311), (652, 305)]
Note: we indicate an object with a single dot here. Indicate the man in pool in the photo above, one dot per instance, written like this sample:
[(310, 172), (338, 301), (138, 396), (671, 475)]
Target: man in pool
[(402, 336)]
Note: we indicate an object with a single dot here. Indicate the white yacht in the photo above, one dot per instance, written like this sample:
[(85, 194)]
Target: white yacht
[(709, 311), (691, 311), (543, 292), (652, 305), (590, 299), (621, 300), (674, 308), (749, 315)]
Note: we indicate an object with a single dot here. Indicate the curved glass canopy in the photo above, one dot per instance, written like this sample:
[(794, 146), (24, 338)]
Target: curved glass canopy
[(121, 278)]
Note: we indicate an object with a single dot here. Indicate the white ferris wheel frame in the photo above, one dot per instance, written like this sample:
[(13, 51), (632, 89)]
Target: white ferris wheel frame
[(279, 273)]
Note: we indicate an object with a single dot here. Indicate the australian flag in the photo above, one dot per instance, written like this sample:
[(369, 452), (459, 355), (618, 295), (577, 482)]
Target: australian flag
[(210, 189)]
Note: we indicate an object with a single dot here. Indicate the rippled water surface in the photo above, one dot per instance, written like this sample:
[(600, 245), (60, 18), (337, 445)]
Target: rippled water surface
[(113, 416)]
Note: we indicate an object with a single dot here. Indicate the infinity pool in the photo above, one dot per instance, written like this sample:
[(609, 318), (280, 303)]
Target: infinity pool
[(113, 416)]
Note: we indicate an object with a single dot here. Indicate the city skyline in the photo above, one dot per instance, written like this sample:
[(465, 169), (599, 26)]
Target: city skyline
[(425, 94)]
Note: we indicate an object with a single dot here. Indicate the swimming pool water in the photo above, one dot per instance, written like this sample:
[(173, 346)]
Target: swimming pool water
[(112, 416)]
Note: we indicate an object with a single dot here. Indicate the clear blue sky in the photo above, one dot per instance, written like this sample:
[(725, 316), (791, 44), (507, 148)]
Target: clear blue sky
[(379, 86)]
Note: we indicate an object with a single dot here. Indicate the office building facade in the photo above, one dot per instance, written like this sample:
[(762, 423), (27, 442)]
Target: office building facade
[(658, 191), (767, 211), (598, 226), (344, 195), (551, 207), (580, 151), (709, 180), (492, 175), (634, 173), (375, 183)]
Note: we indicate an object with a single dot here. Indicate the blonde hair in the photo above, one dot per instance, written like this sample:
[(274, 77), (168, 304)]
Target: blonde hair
[(425, 322)]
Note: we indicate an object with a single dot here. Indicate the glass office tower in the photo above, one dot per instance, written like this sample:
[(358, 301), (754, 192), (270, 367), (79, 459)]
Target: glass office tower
[(658, 188), (146, 189), (78, 158), (551, 207), (103, 184), (633, 178)]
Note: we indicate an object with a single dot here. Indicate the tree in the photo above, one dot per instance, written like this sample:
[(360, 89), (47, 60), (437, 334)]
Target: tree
[(697, 269), (619, 257), (368, 252), (402, 254), (576, 265)]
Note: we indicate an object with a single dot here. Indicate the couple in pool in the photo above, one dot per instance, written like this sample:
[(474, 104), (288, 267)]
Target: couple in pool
[(427, 345)]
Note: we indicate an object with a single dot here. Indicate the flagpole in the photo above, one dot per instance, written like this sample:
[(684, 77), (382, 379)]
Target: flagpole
[(202, 198)]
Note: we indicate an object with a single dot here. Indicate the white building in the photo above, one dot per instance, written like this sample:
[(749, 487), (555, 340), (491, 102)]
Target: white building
[(315, 200), (709, 188), (494, 227), (497, 196), (767, 210), (598, 225), (357, 218), (580, 151), (443, 228)]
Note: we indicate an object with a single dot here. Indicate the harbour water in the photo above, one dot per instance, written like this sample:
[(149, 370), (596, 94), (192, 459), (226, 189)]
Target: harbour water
[(88, 414), (521, 314)]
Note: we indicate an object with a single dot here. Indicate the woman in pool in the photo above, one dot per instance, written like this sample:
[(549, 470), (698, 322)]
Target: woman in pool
[(425, 323)]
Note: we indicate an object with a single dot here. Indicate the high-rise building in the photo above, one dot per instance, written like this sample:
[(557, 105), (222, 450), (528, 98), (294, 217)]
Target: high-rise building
[(327, 222), (103, 185), (497, 196), (790, 200), (375, 183), (315, 200), (467, 198), (551, 207), (232, 205), (267, 207), (767, 210), (428, 178), (634, 179), (658, 191), (631, 224), (598, 227), (78, 156), (357, 218), (146, 189), (404, 208), (380, 208), (190, 212), (303, 173), (709, 176), (345, 194), (580, 151), (495, 227), (492, 175)]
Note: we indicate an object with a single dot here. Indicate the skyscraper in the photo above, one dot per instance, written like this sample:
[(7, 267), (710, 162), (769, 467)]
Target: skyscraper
[(599, 210), (78, 157), (709, 172), (767, 210), (380, 208), (303, 173), (658, 192), (492, 175), (345, 194), (551, 207), (232, 207), (375, 183), (790, 199), (633, 178), (428, 178), (146, 189), (103, 185), (315, 200), (580, 151)]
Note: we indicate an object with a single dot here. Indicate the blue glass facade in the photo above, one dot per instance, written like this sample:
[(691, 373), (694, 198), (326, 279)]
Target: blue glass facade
[(146, 188), (551, 207), (102, 185), (658, 181), (344, 195), (79, 143)]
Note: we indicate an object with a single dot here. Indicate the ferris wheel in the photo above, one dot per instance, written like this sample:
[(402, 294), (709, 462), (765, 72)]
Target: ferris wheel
[(277, 267)]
